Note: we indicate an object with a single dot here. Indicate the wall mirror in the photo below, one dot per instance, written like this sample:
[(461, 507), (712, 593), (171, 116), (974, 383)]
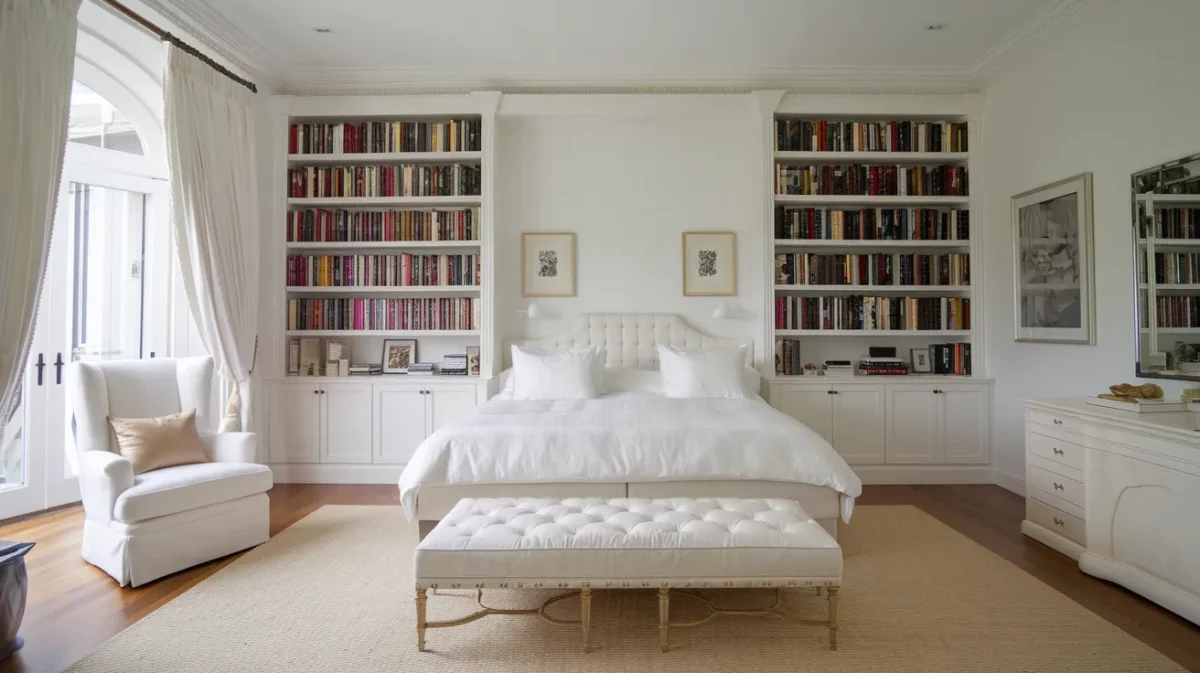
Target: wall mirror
[(1166, 230)]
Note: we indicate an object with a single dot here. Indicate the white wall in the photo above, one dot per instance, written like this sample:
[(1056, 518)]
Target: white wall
[(1115, 93), (629, 176)]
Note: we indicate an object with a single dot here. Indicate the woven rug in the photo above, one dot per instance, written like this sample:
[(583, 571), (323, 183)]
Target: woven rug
[(334, 593)]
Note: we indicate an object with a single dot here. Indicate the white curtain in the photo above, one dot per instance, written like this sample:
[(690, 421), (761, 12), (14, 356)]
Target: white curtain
[(214, 200), (37, 59)]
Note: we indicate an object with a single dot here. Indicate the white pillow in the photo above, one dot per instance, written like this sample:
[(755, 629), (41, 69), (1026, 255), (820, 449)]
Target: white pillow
[(538, 375), (703, 372)]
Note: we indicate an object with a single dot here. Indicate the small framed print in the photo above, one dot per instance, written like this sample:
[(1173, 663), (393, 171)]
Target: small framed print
[(473, 360), (709, 264), (398, 354), (921, 364), (547, 264)]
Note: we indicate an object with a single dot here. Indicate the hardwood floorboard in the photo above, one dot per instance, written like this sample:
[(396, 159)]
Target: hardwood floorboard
[(73, 607)]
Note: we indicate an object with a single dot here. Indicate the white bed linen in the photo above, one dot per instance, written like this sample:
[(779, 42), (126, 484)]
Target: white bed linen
[(626, 437)]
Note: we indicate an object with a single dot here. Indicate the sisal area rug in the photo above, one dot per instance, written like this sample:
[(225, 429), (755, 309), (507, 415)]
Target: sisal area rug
[(334, 593)]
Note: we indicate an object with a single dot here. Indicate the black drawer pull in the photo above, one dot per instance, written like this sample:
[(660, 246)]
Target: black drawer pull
[(1058, 451), (1057, 422), (1058, 486), (1059, 522)]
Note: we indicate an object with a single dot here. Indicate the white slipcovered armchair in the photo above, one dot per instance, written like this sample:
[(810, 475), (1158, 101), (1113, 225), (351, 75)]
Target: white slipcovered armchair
[(140, 528)]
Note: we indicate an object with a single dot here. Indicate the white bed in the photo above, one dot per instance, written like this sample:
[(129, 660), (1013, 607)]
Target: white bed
[(628, 444)]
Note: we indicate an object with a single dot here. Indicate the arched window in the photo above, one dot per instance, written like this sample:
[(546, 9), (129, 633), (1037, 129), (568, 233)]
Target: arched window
[(97, 122)]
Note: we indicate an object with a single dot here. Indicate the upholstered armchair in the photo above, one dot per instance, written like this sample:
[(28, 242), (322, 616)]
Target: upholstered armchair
[(141, 527)]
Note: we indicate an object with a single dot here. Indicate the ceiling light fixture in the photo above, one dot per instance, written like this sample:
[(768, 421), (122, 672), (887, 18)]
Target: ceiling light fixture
[(937, 26)]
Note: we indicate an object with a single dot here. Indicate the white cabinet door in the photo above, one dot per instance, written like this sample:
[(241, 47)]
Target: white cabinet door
[(295, 422), (811, 404), (447, 404), (400, 421), (346, 422), (912, 424), (858, 423), (965, 433)]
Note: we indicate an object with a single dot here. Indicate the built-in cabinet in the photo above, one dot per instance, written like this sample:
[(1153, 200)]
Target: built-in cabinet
[(919, 421), (338, 422), (1118, 491)]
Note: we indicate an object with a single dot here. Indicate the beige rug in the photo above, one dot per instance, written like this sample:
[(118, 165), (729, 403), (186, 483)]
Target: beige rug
[(334, 593)]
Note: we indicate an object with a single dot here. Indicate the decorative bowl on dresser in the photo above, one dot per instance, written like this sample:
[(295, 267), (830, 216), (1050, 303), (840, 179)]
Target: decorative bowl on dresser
[(1118, 491)]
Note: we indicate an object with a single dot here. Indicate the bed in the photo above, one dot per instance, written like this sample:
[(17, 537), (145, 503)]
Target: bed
[(631, 443)]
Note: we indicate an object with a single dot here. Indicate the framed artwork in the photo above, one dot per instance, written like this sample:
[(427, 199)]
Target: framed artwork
[(398, 354), (473, 360), (1053, 260), (920, 361), (547, 265), (709, 263)]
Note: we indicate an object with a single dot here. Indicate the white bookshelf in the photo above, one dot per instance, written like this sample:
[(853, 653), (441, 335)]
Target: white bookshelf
[(1163, 337), (818, 345)]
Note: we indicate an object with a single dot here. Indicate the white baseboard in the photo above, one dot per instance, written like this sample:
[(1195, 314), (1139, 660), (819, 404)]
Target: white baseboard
[(925, 474), (307, 473), (1009, 482)]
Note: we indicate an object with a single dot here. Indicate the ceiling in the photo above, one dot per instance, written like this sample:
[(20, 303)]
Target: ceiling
[(554, 43)]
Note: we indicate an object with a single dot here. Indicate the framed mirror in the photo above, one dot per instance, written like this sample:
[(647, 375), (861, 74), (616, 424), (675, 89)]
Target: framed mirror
[(1166, 243)]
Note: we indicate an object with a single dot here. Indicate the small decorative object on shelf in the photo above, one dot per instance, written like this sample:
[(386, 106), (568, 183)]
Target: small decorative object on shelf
[(839, 368), (920, 360), (398, 355), (453, 364), (422, 369), (365, 370), (473, 360), (1144, 398), (709, 263), (547, 264), (811, 370)]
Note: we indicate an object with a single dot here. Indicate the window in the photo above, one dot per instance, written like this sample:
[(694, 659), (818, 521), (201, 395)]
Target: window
[(95, 121)]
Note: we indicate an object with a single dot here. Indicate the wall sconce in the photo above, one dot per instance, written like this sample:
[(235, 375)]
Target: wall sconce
[(532, 311)]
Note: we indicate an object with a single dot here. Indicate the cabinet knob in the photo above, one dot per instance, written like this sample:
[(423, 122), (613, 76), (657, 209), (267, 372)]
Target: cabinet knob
[(1058, 486), (1059, 522), (1057, 422), (1057, 451), (315, 392)]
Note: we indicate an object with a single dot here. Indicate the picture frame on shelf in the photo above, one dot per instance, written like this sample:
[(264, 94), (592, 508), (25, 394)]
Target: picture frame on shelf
[(293, 357), (398, 354), (1054, 272), (310, 356), (547, 264), (709, 264), (921, 364), (472, 360)]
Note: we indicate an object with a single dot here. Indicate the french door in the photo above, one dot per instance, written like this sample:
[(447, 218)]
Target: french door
[(99, 301)]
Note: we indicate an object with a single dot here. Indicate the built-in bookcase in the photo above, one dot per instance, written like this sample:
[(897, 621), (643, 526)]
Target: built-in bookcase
[(386, 229), (1168, 270), (871, 233)]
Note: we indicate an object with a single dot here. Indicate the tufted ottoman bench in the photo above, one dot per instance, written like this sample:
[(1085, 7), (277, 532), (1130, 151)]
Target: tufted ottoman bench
[(626, 543)]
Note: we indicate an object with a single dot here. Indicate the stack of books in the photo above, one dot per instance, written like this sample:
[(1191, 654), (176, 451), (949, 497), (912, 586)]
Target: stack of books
[(365, 370), (839, 368), (882, 367), (421, 369), (454, 364)]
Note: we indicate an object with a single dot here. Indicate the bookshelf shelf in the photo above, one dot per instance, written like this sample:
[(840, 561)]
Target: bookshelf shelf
[(871, 201), (398, 289), (1171, 242), (382, 333), (872, 157), (1170, 198), (874, 289), (369, 201), (1171, 287), (381, 245), (1174, 330), (386, 158), (871, 244), (873, 332)]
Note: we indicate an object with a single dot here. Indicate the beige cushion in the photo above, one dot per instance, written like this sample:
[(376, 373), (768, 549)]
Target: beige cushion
[(187, 487), (151, 443)]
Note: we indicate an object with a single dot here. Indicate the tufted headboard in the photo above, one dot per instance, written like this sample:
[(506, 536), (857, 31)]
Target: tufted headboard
[(630, 338)]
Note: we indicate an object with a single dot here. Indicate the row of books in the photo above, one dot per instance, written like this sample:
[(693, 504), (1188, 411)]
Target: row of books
[(953, 358), (343, 313), (856, 312), (872, 224), (1176, 268), (889, 366), (872, 269), (402, 270), (456, 135), (347, 226), (871, 180), (385, 180), (1176, 311), (1175, 223), (799, 135), (787, 358)]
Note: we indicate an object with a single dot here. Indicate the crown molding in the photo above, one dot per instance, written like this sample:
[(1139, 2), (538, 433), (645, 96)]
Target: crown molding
[(425, 80), (1000, 58), (201, 22)]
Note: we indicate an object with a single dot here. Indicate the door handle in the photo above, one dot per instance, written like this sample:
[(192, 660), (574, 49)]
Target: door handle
[(41, 365), (58, 365)]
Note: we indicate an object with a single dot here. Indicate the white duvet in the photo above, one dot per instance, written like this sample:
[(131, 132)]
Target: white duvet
[(626, 437)]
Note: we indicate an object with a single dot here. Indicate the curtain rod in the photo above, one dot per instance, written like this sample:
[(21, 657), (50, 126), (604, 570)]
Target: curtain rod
[(167, 37)]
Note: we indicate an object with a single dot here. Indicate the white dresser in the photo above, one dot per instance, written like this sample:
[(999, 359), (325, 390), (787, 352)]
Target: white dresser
[(1119, 492)]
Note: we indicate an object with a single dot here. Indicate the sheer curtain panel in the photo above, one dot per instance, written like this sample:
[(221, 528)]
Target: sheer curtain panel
[(214, 201), (37, 60)]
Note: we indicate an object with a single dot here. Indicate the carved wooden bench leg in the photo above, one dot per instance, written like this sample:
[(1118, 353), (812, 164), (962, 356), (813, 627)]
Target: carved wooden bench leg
[(585, 617), (421, 619), (664, 616), (833, 617)]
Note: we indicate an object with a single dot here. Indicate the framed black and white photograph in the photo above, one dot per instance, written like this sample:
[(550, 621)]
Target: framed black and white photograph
[(921, 363), (398, 354), (709, 263), (547, 265), (1052, 235)]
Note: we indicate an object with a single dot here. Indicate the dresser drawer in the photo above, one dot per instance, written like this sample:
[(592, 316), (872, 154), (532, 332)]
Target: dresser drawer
[(1056, 520), (1052, 420), (1057, 485), (1057, 450)]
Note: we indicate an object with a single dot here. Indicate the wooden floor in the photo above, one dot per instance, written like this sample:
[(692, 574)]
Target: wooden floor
[(73, 607)]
